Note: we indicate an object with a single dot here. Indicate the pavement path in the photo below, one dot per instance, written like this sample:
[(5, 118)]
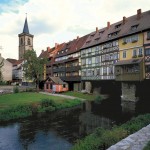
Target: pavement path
[(61, 95)]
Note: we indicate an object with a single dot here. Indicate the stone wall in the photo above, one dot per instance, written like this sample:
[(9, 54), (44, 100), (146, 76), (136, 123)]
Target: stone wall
[(128, 92), (88, 87)]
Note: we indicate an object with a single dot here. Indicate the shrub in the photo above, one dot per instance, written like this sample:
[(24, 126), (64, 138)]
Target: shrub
[(47, 102), (15, 89), (98, 99), (104, 138)]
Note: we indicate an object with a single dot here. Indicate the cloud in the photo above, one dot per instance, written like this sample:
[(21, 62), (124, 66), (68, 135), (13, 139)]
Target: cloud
[(52, 21)]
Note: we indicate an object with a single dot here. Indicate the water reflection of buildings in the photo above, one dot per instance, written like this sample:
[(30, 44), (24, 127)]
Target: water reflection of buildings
[(128, 106), (90, 121)]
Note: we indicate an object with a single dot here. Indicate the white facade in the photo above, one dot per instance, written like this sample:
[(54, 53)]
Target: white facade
[(6, 70)]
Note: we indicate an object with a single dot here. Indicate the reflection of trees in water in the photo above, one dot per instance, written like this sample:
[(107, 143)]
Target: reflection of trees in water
[(63, 122)]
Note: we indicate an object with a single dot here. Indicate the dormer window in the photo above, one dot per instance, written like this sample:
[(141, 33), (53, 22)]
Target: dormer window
[(117, 26), (134, 27), (92, 35), (113, 34), (87, 42), (101, 32)]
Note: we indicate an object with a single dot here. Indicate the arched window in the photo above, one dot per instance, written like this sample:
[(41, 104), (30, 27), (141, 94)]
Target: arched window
[(29, 43), (21, 41)]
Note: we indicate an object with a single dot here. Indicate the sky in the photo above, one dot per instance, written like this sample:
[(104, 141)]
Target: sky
[(58, 21)]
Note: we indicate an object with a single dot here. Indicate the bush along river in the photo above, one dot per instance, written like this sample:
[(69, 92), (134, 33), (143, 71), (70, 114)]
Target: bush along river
[(60, 130)]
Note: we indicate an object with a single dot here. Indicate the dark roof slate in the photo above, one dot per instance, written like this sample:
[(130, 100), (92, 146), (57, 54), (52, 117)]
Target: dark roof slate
[(26, 29)]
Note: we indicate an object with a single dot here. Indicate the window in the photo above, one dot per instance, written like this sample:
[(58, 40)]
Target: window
[(21, 41), (110, 70), (134, 38), (117, 26), (124, 54), (107, 57), (89, 72), (148, 35), (29, 43), (147, 68), (134, 53), (103, 57), (97, 59), (104, 70), (83, 73), (90, 50), (134, 27), (89, 61), (101, 32), (140, 52), (113, 34), (97, 72), (83, 62), (83, 53), (147, 51), (115, 55)]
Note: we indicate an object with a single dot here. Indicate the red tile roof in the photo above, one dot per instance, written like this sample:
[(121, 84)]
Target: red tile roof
[(123, 30)]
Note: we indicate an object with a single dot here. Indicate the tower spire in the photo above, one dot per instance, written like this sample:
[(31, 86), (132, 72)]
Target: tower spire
[(26, 29)]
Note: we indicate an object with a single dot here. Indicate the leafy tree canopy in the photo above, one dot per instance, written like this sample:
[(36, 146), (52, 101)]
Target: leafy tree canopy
[(33, 66)]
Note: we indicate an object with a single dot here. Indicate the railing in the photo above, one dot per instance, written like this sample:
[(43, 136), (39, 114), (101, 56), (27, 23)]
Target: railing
[(129, 77), (102, 77), (61, 69), (73, 68), (71, 78)]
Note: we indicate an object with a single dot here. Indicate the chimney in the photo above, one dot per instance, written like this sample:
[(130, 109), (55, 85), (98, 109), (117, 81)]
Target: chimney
[(124, 20), (48, 49), (96, 29), (42, 51), (139, 12), (77, 37), (108, 25), (56, 45)]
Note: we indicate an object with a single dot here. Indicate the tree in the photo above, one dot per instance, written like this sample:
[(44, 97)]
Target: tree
[(1, 65), (33, 67)]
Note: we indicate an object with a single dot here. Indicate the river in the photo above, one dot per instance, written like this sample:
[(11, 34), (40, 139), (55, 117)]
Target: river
[(61, 129)]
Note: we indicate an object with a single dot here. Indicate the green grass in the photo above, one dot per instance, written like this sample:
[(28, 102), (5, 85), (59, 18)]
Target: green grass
[(147, 147), (81, 95), (104, 138), (9, 100), (21, 105)]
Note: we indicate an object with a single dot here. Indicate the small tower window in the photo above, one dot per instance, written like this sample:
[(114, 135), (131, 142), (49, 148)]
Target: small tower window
[(21, 41), (29, 43)]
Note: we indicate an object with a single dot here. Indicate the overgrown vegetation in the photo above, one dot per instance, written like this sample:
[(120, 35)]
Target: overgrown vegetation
[(29, 109), (15, 89), (98, 99), (104, 138), (147, 147)]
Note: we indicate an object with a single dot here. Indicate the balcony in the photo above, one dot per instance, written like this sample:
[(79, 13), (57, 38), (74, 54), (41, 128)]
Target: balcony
[(71, 78), (129, 70), (73, 68), (60, 69)]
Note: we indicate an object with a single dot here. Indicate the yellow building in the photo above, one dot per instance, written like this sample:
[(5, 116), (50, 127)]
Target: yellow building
[(131, 47), (131, 58)]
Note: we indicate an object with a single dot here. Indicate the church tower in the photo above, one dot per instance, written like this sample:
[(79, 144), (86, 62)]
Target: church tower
[(25, 40)]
